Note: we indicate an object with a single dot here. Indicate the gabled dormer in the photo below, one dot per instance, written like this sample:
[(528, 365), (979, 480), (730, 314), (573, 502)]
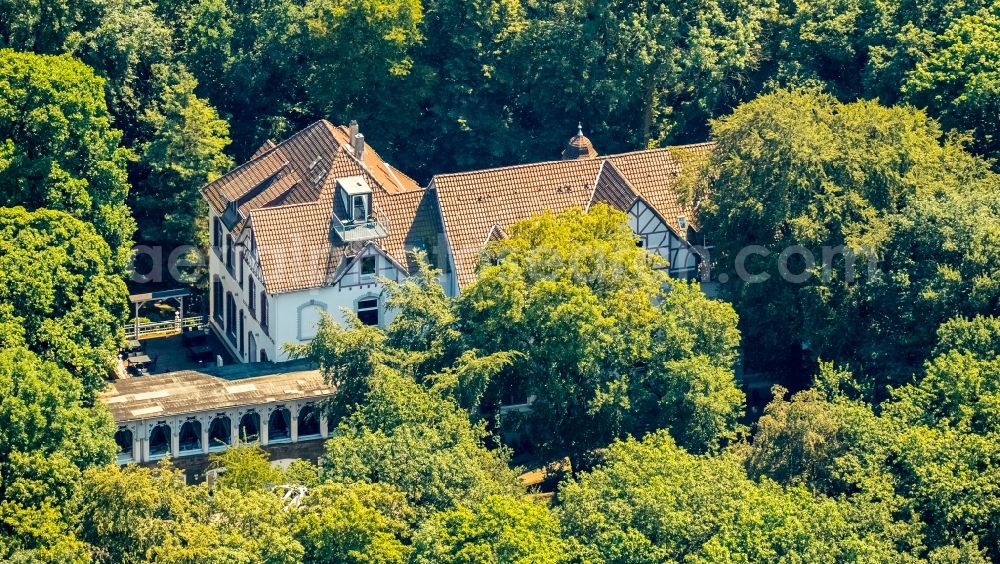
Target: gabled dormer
[(355, 217)]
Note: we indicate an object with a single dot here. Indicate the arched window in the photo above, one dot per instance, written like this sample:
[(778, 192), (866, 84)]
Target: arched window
[(123, 438), (159, 440), (190, 436), (279, 426), (310, 314), (308, 422), (252, 345), (249, 430), (220, 432)]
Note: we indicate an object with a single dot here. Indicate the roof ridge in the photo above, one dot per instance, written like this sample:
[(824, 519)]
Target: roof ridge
[(254, 159), (389, 168), (658, 149), (576, 161)]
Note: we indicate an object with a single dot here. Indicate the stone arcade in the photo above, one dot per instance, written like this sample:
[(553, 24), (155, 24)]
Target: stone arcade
[(197, 412)]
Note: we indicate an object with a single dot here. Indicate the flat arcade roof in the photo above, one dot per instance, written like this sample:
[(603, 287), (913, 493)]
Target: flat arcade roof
[(193, 391)]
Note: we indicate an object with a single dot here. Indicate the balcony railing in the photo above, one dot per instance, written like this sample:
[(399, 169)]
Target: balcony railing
[(162, 328)]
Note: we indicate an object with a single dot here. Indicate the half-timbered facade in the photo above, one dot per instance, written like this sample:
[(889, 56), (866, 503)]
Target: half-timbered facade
[(479, 206)]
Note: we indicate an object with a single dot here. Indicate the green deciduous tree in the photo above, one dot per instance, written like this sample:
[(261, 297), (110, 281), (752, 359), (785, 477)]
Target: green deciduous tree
[(651, 501), (358, 53), (820, 439), (57, 147), (355, 523), (184, 153), (134, 514), (948, 437), (797, 172), (494, 529), (47, 435), (959, 81), (47, 27), (58, 278), (600, 345), (129, 42), (414, 440), (979, 335), (639, 72)]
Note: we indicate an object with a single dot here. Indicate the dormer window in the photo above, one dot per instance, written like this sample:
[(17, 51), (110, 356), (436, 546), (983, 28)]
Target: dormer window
[(359, 208), (356, 197), (354, 213), (682, 222)]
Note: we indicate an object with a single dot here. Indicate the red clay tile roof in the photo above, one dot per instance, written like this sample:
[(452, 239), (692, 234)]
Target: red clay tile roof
[(288, 193), (473, 204), (304, 162), (654, 174), (298, 249)]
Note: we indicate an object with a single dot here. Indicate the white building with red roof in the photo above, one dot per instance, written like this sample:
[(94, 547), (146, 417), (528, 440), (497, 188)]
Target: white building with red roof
[(314, 223)]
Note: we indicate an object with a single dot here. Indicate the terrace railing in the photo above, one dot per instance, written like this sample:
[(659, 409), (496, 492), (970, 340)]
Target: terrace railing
[(150, 329)]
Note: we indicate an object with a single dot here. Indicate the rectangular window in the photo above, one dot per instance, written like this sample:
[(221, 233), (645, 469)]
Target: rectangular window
[(368, 267), (263, 312), (216, 233), (252, 297), (231, 317), (359, 207), (217, 300), (368, 311), (241, 271), (230, 254)]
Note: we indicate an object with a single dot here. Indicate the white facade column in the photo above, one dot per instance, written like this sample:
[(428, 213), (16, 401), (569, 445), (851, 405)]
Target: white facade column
[(293, 416), (234, 427), (175, 439), (205, 422), (324, 430), (144, 442), (263, 427)]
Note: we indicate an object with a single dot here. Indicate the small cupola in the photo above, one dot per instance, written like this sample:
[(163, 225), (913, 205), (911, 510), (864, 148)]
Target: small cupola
[(579, 147)]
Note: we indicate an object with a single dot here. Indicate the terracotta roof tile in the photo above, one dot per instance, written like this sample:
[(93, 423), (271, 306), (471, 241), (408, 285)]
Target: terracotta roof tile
[(654, 174), (288, 192), (474, 204)]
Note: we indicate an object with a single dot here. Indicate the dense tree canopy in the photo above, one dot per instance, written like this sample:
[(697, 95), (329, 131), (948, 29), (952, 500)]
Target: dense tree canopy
[(800, 187), (61, 291), (47, 435), (960, 80), (601, 345), (651, 501), (888, 453), (57, 147)]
